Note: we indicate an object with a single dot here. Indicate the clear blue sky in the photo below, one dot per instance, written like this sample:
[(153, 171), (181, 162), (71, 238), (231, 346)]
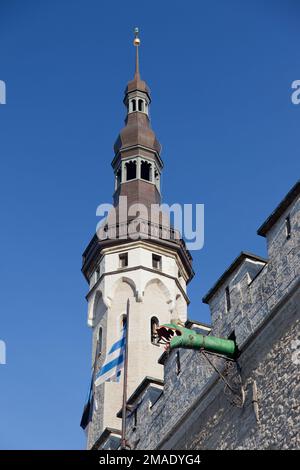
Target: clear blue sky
[(220, 74)]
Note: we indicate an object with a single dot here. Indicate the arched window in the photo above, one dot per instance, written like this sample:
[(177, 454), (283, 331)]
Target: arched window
[(141, 105), (154, 323), (133, 105), (99, 342), (123, 321), (119, 176), (156, 178), (130, 170), (146, 171)]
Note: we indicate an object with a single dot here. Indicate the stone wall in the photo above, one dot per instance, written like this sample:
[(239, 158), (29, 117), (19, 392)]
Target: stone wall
[(195, 411)]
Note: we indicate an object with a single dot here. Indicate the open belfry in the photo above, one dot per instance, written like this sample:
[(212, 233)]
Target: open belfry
[(233, 384)]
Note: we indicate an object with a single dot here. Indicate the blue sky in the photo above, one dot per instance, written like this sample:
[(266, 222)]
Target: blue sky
[(220, 74)]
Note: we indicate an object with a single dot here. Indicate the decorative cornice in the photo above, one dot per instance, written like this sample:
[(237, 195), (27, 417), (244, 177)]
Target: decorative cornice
[(137, 146), (94, 250)]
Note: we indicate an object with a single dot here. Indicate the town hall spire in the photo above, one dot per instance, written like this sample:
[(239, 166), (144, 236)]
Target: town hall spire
[(137, 163)]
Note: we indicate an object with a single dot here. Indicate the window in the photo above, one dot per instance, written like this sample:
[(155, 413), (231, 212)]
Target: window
[(123, 320), (288, 228), (156, 262), (156, 179), (154, 323), (133, 105), (228, 301), (178, 365), (119, 177), (123, 260), (99, 345), (146, 171), (141, 105), (134, 419), (130, 170)]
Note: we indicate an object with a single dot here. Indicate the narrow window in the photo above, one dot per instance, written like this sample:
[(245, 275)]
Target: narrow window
[(134, 419), (156, 179), (153, 326), (119, 177), (141, 105), (178, 365), (123, 321), (288, 228), (156, 262), (123, 260), (228, 301), (146, 171), (133, 105), (100, 335), (130, 170)]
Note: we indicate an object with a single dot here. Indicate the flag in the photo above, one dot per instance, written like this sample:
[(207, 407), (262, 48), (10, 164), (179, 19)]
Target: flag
[(88, 408), (114, 361)]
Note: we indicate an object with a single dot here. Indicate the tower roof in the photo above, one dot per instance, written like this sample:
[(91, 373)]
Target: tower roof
[(137, 130)]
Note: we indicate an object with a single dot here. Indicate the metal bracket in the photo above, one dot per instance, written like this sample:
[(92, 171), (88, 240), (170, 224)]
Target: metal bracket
[(231, 377)]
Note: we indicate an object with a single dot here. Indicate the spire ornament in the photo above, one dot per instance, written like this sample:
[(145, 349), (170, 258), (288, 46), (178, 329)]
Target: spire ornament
[(136, 43)]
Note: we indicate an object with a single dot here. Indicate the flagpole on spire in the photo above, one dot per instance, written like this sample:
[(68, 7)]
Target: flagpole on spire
[(124, 406), (136, 43)]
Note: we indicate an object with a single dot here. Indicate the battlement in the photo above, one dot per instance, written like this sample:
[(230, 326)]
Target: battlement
[(250, 288)]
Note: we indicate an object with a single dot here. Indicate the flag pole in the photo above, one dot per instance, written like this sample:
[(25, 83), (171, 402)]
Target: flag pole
[(124, 407)]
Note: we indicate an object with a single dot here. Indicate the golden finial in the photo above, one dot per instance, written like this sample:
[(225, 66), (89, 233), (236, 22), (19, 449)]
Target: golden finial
[(136, 40), (136, 43)]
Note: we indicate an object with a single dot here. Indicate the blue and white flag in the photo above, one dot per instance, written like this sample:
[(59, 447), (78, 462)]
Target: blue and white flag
[(114, 362)]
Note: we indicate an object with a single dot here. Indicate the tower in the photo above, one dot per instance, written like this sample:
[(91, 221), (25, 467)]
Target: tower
[(136, 256)]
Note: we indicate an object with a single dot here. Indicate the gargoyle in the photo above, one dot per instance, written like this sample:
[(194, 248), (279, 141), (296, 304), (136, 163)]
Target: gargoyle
[(174, 336)]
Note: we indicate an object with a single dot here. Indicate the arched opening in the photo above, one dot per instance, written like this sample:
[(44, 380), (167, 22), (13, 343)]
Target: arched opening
[(130, 170), (119, 177), (141, 105), (154, 324), (146, 171), (133, 105), (100, 340), (123, 321)]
